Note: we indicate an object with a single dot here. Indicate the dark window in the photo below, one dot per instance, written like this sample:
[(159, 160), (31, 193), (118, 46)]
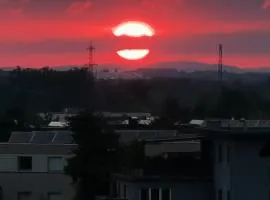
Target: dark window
[(114, 189), (228, 195), (166, 194), (228, 153), (25, 163), (125, 191), (118, 190), (219, 194), (265, 151), (154, 194), (1, 193), (55, 164), (144, 194), (24, 195), (220, 159)]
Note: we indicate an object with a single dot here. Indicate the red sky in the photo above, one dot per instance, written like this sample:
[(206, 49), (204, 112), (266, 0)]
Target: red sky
[(36, 33)]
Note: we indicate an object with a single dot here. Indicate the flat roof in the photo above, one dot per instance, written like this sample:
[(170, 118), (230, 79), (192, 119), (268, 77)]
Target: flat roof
[(235, 132), (177, 178), (179, 137)]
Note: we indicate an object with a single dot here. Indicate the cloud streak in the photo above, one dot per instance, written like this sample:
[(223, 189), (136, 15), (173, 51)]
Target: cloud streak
[(79, 7), (266, 4)]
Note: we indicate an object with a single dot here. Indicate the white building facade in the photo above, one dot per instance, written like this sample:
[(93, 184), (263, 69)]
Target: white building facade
[(35, 170), (240, 169)]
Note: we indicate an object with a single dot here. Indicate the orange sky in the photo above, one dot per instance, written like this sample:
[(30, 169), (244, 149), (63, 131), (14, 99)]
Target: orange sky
[(36, 33)]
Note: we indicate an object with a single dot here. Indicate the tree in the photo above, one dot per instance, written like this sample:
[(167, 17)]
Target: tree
[(133, 156), (6, 128), (96, 155), (17, 115), (238, 103), (170, 110)]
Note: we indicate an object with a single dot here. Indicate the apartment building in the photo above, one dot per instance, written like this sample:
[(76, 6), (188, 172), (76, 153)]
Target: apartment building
[(241, 164), (173, 170), (32, 166), (236, 154)]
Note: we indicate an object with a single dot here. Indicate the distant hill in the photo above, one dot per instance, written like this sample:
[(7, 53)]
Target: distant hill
[(174, 69), (193, 66)]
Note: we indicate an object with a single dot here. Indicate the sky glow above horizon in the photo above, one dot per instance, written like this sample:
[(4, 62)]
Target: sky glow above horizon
[(38, 33)]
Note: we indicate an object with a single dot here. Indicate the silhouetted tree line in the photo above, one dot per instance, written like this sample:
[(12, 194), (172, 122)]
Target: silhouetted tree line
[(43, 90)]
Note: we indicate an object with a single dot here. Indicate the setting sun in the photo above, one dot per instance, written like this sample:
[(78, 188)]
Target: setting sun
[(133, 29), (133, 54)]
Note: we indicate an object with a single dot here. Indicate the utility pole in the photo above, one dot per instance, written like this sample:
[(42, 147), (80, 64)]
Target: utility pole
[(91, 63), (220, 62)]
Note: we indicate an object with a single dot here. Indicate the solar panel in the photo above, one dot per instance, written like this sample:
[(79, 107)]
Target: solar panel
[(20, 137), (42, 138), (63, 138)]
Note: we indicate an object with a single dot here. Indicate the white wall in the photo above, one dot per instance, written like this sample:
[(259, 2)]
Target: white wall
[(247, 174), (9, 162), (39, 184), (222, 170)]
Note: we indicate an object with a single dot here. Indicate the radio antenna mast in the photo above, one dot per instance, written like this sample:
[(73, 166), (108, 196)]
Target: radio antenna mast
[(220, 62), (91, 49)]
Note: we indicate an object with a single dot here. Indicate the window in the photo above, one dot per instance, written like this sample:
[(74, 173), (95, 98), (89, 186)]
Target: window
[(228, 153), (220, 158), (65, 162), (24, 195), (144, 194), (219, 195), (154, 194), (166, 194), (118, 189), (114, 190), (125, 191), (54, 196), (55, 164), (228, 195), (1, 193), (24, 163)]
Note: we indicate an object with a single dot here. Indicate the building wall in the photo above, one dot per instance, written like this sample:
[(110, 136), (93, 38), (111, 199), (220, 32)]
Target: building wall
[(179, 190), (13, 148), (40, 181), (247, 174), (222, 167), (9, 162), (39, 184)]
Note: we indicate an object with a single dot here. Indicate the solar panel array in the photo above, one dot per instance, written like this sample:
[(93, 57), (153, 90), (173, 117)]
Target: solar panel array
[(20, 137), (63, 139), (42, 137), (133, 135)]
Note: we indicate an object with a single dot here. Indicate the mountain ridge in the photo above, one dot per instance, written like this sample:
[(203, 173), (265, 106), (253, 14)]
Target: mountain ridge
[(180, 66)]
